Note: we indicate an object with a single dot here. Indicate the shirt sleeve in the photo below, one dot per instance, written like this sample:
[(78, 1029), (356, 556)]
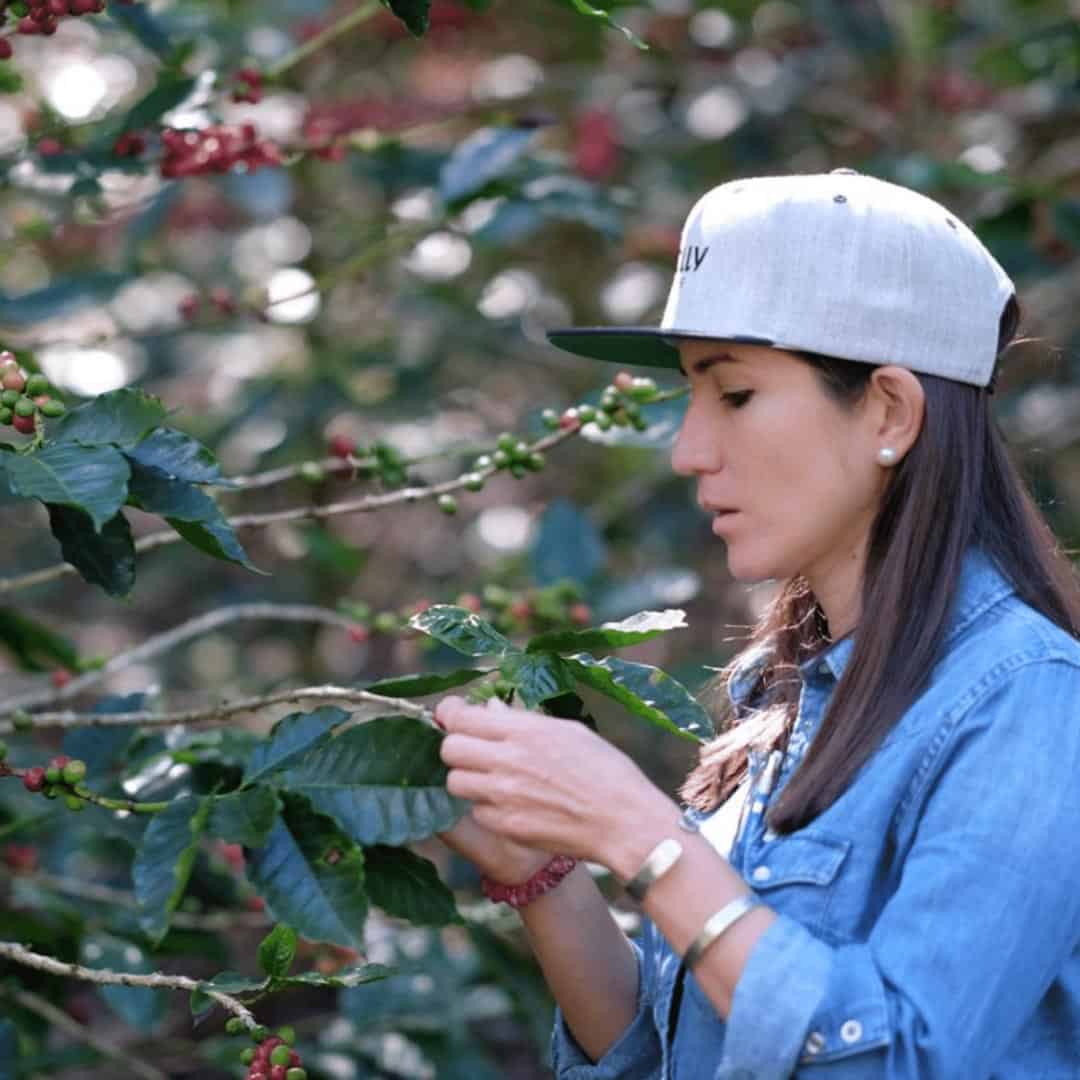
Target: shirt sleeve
[(986, 912), (635, 1055)]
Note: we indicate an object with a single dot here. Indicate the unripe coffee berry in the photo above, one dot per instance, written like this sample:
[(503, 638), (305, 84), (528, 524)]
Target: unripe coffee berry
[(296, 1074), (550, 419), (506, 442), (52, 775), (34, 779), (36, 384), (287, 1034), (6, 415), (535, 461), (474, 482), (500, 459), (517, 470), (53, 408), (586, 413), (21, 720), (24, 407), (74, 771), (248, 1056), (385, 622), (280, 1055), (9, 397), (259, 1032), (312, 472), (447, 504), (484, 461), (235, 1026), (74, 802)]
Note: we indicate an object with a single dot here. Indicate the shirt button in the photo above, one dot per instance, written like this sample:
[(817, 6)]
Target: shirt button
[(851, 1031), (761, 873), (815, 1043)]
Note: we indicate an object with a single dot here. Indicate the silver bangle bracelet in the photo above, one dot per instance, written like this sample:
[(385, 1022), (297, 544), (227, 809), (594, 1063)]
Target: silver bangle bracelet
[(657, 863), (717, 924)]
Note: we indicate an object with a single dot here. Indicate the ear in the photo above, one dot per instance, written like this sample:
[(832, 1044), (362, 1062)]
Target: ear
[(896, 406)]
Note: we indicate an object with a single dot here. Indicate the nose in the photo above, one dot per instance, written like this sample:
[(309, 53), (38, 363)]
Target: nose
[(697, 448)]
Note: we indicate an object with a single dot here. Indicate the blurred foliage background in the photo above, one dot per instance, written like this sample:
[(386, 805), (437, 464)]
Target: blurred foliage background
[(519, 167)]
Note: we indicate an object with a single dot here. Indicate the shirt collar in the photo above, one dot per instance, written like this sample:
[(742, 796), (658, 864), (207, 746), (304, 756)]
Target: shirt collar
[(981, 585)]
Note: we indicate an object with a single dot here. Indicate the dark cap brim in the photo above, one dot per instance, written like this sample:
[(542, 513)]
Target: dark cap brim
[(648, 346)]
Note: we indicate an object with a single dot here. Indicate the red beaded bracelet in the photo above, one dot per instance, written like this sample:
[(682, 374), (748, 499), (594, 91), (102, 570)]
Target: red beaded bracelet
[(517, 896)]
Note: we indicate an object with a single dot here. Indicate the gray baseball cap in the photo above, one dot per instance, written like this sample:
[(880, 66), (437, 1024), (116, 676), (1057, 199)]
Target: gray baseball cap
[(838, 263)]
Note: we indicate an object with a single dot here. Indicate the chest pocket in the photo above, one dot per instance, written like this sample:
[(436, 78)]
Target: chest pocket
[(799, 876)]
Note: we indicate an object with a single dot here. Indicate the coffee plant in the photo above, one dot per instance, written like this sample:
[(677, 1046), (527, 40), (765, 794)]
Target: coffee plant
[(284, 458)]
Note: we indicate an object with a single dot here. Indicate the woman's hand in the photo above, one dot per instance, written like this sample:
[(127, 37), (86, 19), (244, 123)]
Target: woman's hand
[(498, 858), (545, 784)]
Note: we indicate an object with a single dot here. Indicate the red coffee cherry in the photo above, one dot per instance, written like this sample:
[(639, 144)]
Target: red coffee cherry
[(61, 676), (580, 614), (34, 779), (6, 51), (189, 307), (342, 446), (23, 424)]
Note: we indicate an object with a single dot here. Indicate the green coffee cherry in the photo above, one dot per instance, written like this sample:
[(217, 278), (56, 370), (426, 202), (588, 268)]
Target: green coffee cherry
[(6, 415), (639, 423), (25, 407), (385, 622), (474, 482), (53, 408), (21, 720), (550, 419), (500, 459), (505, 441), (50, 791), (483, 462), (74, 771), (642, 389), (9, 397), (287, 1034), (247, 1056), (259, 1032), (52, 775), (603, 421), (586, 413), (35, 385), (312, 472), (296, 1073), (518, 470), (535, 461), (235, 1026), (73, 802), (280, 1055), (520, 451), (447, 504)]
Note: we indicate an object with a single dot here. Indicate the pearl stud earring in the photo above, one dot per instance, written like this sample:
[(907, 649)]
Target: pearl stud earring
[(886, 456)]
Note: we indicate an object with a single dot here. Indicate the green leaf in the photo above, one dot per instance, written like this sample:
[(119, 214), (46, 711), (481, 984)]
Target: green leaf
[(538, 676), (277, 950), (640, 627), (408, 886), (292, 737), (409, 686), (143, 26), (413, 13), (121, 417), (357, 975), (486, 155), (244, 817), (105, 558), (34, 645), (645, 691), (311, 876), (591, 12), (215, 538), (91, 479), (179, 456), (141, 1007), (169, 92), (228, 982), (461, 629), (383, 782), (62, 297), (164, 860)]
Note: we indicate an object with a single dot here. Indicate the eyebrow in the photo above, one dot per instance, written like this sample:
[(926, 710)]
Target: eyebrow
[(720, 357)]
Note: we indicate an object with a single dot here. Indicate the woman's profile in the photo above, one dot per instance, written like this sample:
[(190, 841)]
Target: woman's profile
[(874, 869)]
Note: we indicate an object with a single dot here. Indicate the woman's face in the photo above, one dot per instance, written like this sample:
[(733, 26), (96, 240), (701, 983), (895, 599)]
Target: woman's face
[(797, 471)]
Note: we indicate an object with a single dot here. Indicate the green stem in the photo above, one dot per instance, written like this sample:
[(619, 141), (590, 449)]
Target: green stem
[(335, 30), (120, 804)]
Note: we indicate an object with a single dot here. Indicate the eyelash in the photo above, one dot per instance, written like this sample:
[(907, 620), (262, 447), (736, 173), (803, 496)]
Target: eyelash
[(739, 398)]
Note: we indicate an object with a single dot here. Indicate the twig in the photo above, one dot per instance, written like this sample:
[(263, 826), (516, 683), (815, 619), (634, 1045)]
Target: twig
[(301, 513), (221, 712), (160, 643), (324, 37), (60, 1020), (11, 950), (185, 920)]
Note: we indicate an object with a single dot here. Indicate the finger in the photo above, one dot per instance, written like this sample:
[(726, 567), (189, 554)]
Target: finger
[(454, 714), (476, 787), (469, 752)]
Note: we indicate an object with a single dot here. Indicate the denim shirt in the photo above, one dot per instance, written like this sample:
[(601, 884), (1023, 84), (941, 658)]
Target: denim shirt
[(928, 922)]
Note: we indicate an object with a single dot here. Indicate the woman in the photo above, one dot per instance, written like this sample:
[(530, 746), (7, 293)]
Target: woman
[(877, 872)]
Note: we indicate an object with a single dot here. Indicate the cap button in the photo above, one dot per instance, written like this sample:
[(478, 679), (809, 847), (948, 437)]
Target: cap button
[(844, 172)]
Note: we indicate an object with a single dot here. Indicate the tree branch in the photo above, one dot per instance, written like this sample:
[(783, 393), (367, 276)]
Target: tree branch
[(222, 712), (11, 950), (60, 1020), (333, 31), (301, 513)]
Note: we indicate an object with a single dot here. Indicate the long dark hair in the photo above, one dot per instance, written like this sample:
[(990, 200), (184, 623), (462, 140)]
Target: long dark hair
[(957, 486)]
